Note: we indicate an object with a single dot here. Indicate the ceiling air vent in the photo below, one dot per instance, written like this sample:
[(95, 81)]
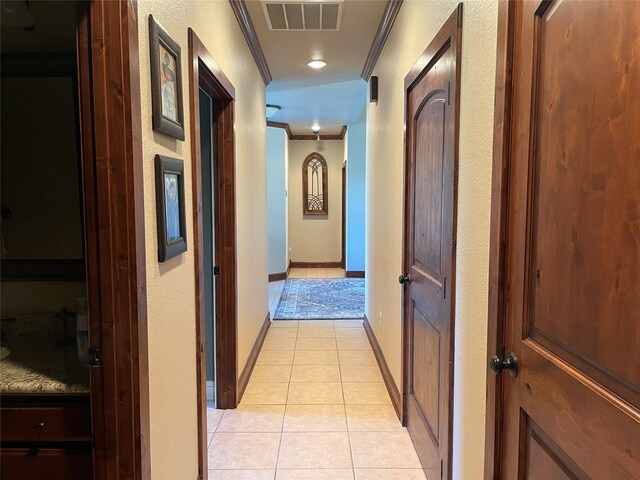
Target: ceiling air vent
[(303, 15)]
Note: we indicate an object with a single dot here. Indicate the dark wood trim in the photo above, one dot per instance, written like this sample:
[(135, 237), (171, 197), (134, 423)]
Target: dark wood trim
[(354, 274), (430, 53), (392, 388), (305, 184), (339, 136), (315, 265), (343, 240), (205, 73), (283, 125), (111, 132), (276, 277), (498, 236), (289, 268), (450, 35), (292, 136), (243, 381), (246, 25), (386, 24)]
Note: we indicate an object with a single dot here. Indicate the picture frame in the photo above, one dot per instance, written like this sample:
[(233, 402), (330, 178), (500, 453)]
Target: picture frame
[(170, 205), (166, 82)]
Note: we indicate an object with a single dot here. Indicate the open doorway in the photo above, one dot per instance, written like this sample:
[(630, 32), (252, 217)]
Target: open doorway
[(212, 97), (82, 367), (207, 160)]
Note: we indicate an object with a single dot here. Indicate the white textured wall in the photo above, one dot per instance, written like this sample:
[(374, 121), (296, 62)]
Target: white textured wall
[(356, 187), (315, 238), (416, 25), (277, 198), (170, 286)]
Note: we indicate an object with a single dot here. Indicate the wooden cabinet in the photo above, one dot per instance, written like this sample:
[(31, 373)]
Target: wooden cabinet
[(46, 437)]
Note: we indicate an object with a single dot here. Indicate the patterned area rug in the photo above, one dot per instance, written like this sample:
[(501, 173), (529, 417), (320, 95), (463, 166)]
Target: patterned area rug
[(321, 298)]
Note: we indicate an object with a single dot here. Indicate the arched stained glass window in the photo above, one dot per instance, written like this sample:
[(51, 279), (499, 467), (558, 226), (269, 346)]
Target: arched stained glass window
[(314, 185)]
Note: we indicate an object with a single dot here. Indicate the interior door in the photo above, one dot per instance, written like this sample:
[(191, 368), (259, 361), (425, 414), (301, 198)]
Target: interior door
[(573, 243), (430, 250)]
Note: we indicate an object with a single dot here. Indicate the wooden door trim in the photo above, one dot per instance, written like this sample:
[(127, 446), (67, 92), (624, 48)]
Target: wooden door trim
[(498, 235), (111, 142), (449, 35), (205, 72)]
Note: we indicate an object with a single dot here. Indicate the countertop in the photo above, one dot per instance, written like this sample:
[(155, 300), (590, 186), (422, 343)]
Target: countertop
[(43, 369)]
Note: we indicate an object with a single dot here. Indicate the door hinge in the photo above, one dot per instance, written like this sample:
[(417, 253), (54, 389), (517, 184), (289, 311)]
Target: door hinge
[(445, 287), (216, 270), (95, 356)]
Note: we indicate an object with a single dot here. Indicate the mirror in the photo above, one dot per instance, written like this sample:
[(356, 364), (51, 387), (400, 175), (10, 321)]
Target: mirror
[(42, 232), (314, 185)]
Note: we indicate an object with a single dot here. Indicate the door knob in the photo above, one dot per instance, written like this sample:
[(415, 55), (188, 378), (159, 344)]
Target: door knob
[(404, 279), (497, 364)]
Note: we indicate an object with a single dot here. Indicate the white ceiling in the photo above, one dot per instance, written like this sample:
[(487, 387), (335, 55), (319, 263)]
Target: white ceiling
[(332, 96), (330, 105)]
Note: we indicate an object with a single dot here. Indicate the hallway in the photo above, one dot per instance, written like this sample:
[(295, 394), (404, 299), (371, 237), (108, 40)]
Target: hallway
[(316, 407)]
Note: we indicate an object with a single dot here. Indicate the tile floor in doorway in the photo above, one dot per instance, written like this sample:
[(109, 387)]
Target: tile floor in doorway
[(315, 407)]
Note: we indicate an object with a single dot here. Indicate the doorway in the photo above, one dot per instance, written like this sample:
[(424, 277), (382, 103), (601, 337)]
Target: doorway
[(212, 97), (78, 439), (563, 384), (207, 162), (431, 118)]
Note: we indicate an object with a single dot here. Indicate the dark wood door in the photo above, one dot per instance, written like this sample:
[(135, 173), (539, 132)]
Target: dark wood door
[(573, 244), (430, 250)]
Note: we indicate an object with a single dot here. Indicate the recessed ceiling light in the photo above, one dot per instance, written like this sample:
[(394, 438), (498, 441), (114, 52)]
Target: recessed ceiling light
[(317, 64)]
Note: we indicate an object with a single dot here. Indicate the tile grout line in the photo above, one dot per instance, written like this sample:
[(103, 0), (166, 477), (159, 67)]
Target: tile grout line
[(286, 404), (344, 405)]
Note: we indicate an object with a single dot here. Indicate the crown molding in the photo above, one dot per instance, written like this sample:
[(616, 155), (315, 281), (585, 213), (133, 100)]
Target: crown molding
[(386, 23), (246, 25), (286, 126), (292, 136)]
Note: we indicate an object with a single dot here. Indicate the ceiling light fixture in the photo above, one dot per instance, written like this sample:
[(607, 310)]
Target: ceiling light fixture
[(272, 110), (317, 64), (316, 130)]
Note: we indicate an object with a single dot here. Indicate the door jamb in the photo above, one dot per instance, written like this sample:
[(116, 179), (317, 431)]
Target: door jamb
[(343, 261), (111, 144), (203, 70), (498, 236), (451, 28)]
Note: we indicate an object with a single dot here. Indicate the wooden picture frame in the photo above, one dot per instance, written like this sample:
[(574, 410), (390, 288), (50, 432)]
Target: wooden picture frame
[(166, 82), (172, 225), (315, 202)]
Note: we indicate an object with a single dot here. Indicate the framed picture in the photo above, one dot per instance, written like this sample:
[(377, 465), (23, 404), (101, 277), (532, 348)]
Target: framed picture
[(172, 227), (166, 82)]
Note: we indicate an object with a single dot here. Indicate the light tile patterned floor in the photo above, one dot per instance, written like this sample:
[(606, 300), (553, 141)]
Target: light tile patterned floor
[(275, 288), (315, 408)]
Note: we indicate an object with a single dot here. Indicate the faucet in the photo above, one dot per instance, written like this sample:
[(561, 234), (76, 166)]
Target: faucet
[(3, 337), (65, 340)]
